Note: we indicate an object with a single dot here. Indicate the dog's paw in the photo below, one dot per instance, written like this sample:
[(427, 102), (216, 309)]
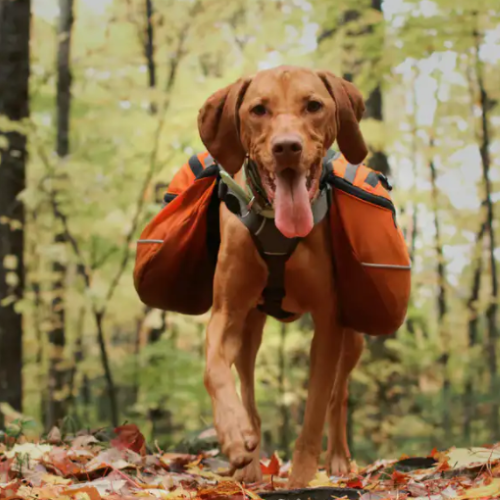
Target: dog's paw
[(251, 473), (338, 464), (238, 440), (304, 468)]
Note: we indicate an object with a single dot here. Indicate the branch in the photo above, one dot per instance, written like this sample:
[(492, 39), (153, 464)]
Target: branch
[(82, 268)]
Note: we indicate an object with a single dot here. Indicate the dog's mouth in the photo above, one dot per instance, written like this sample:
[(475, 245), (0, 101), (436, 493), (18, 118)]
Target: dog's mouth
[(291, 193), (268, 180)]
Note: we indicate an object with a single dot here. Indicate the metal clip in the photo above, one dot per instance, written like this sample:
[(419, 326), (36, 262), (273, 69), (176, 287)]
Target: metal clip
[(250, 203)]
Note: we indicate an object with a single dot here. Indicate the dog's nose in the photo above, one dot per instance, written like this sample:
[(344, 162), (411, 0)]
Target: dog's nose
[(287, 147)]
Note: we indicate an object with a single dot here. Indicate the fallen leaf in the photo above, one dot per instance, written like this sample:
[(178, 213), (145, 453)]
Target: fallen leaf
[(91, 493), (129, 437), (272, 467), (54, 436), (460, 458), (355, 483), (443, 466), (491, 490), (176, 461), (399, 478), (55, 480), (321, 479)]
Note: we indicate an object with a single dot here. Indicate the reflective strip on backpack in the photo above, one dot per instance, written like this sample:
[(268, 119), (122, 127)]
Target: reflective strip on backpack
[(386, 266), (350, 172), (149, 241)]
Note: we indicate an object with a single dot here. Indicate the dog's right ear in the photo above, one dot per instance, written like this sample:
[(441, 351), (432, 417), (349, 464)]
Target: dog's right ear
[(219, 125)]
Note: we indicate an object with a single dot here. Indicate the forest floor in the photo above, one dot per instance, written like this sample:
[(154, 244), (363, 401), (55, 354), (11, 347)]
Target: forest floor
[(87, 466)]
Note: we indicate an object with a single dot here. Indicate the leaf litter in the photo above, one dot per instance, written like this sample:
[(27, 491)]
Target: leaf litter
[(83, 467)]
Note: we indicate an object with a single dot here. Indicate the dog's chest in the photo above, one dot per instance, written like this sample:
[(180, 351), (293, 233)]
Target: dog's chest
[(309, 272)]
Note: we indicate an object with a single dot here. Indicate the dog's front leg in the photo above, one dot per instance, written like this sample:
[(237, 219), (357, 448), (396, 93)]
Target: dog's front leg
[(245, 364), (234, 428), (239, 280), (325, 355)]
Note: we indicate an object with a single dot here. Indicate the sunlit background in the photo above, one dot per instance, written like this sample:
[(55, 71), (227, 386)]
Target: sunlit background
[(430, 73)]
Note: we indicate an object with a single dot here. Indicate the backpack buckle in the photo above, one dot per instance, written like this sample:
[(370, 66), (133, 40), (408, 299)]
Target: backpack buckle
[(384, 181)]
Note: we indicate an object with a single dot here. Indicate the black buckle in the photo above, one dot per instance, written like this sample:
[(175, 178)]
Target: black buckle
[(231, 201), (384, 181)]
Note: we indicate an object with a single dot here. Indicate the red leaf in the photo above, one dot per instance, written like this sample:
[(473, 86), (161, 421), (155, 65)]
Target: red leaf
[(129, 437), (355, 483), (272, 468), (434, 453), (444, 466), (399, 478), (58, 459)]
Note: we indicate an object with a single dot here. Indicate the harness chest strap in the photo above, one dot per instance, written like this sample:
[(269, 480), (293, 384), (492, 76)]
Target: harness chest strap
[(273, 246)]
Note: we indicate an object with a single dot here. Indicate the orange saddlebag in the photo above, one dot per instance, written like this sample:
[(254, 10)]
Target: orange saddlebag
[(177, 251), (371, 259)]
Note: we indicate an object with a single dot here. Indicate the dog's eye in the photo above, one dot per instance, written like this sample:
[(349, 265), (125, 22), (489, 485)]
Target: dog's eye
[(314, 106), (259, 110)]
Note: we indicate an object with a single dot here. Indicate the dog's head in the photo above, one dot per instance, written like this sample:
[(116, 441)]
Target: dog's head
[(285, 118)]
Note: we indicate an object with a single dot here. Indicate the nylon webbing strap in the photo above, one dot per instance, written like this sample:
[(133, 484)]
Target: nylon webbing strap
[(274, 293), (274, 248)]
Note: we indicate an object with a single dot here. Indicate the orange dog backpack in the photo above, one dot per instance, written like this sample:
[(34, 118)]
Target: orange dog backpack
[(371, 259), (177, 251)]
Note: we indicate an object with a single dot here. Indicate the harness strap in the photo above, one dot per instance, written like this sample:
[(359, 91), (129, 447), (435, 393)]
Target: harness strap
[(274, 248)]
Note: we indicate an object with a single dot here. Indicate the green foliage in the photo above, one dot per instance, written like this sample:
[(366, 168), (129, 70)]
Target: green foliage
[(424, 62)]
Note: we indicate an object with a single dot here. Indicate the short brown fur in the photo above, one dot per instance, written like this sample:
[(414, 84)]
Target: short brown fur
[(229, 131)]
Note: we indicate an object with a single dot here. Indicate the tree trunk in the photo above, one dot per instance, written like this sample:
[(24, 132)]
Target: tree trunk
[(108, 376), (156, 414), (64, 77), (374, 103), (149, 51), (442, 305), (58, 401), (78, 356), (14, 105), (492, 310), (469, 403)]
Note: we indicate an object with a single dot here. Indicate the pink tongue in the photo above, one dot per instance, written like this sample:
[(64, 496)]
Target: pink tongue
[(293, 214)]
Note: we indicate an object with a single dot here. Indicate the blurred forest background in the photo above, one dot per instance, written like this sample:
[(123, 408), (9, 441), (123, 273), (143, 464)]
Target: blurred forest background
[(114, 91)]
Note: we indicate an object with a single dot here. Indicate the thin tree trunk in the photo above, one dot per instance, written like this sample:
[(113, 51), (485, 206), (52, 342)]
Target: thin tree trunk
[(149, 51), (78, 356), (374, 103), (492, 310), (285, 414), (413, 233), (154, 335), (57, 400), (110, 385), (469, 404), (375, 106), (14, 104), (442, 304), (64, 76)]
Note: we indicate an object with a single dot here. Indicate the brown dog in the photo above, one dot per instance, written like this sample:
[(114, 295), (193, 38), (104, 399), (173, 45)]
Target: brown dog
[(285, 119)]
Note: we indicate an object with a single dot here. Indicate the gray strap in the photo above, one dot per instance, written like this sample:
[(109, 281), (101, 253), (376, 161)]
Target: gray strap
[(273, 247), (208, 161), (350, 172)]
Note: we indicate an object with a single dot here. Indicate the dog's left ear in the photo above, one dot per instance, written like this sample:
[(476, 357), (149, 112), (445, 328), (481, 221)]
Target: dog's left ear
[(350, 109), (218, 124)]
